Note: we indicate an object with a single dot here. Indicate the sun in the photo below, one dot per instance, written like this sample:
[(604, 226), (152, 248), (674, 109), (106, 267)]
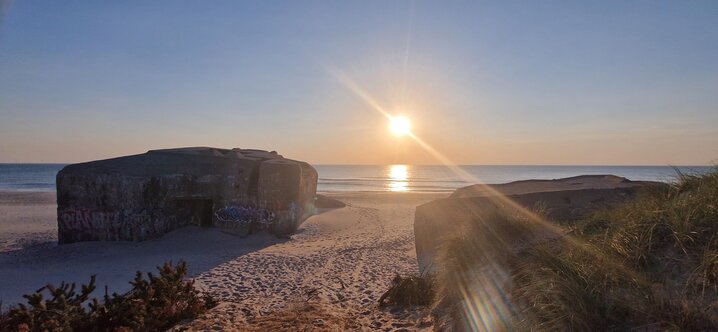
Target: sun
[(400, 125)]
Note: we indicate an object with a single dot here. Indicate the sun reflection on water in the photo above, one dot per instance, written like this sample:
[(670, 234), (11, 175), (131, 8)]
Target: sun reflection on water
[(398, 178)]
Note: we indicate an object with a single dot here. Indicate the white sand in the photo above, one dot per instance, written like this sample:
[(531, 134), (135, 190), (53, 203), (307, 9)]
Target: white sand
[(26, 218), (340, 262)]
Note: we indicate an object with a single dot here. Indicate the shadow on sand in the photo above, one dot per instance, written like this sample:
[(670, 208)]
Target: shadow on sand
[(25, 270), (115, 263)]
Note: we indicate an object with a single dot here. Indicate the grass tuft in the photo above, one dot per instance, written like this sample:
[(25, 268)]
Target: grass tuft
[(409, 291)]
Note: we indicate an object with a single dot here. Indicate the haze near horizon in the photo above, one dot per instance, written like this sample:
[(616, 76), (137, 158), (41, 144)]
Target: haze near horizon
[(605, 83)]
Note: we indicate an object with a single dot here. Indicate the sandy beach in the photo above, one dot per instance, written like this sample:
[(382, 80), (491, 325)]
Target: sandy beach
[(26, 218), (358, 166), (331, 272)]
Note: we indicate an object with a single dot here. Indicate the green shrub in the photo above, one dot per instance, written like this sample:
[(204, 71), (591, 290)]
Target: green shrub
[(155, 303), (62, 311)]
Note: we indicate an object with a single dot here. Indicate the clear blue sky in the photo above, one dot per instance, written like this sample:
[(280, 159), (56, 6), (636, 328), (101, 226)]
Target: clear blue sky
[(502, 82)]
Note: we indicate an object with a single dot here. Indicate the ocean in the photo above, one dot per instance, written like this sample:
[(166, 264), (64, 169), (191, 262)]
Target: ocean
[(441, 178), (28, 177), (408, 178)]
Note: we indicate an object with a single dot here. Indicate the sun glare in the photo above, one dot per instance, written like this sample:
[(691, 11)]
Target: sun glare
[(400, 125), (398, 178)]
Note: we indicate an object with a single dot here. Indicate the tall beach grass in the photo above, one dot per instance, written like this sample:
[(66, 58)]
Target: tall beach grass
[(650, 264)]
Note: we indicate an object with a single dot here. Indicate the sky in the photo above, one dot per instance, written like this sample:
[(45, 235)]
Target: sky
[(499, 82)]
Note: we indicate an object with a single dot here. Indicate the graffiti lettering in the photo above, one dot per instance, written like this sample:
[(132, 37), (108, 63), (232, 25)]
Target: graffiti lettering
[(87, 219), (244, 215)]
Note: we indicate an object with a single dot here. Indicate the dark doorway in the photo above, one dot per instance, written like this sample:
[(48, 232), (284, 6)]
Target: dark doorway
[(195, 211)]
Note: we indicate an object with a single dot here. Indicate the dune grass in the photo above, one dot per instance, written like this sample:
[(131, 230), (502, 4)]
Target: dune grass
[(649, 264)]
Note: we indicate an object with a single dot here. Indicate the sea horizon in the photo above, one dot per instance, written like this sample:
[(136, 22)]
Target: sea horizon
[(394, 177)]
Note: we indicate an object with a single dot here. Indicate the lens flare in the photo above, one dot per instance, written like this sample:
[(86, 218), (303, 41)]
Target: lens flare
[(486, 304)]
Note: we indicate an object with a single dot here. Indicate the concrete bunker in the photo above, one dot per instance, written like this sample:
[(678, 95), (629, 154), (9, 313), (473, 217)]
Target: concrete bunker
[(143, 196)]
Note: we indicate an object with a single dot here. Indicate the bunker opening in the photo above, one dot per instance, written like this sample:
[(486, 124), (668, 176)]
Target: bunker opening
[(196, 211)]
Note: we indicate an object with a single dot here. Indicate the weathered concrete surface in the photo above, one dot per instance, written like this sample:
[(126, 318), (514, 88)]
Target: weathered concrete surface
[(559, 200), (144, 196), (537, 186)]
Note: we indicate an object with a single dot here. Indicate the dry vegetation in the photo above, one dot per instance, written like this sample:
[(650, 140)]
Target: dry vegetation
[(409, 291), (648, 265)]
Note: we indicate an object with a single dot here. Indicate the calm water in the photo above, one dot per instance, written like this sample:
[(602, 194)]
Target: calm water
[(41, 177), (28, 177), (441, 178)]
